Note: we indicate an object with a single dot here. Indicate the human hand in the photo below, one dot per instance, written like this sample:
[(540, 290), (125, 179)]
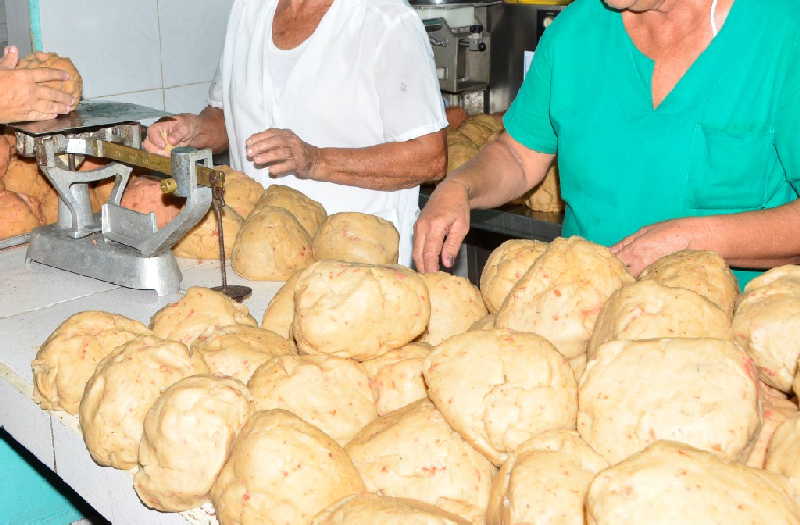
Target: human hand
[(23, 95), (178, 130), (442, 226), (10, 58), (284, 152), (640, 250)]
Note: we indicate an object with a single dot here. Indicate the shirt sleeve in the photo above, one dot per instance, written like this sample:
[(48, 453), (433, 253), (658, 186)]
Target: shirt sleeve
[(528, 118), (215, 98), (787, 121), (405, 76)]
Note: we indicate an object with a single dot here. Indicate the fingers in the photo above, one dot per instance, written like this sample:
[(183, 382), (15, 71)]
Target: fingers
[(166, 133), (455, 236), (49, 108), (273, 156), (10, 58), (420, 238), (55, 95), (44, 74)]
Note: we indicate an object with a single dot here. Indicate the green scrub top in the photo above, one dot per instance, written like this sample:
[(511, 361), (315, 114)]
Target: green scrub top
[(725, 140)]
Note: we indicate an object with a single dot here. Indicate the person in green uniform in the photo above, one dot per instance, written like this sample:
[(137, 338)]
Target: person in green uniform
[(677, 126)]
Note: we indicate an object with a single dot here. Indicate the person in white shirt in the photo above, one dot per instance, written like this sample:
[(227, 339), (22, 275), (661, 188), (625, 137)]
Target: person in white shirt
[(336, 98)]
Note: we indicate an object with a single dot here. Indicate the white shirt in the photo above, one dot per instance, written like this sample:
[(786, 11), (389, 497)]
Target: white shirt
[(366, 76)]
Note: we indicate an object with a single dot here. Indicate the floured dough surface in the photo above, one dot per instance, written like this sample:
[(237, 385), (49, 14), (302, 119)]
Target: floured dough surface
[(396, 377), (456, 304), (776, 409), (330, 393), (188, 434), (241, 192), (72, 86), (546, 197), (505, 267), (23, 176), (357, 237), (499, 388), (202, 241), (308, 212), (279, 314), (783, 453), (282, 471), (145, 196), (16, 216), (371, 509)]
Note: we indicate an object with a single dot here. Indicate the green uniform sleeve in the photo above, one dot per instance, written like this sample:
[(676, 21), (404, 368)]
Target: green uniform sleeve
[(787, 122), (528, 119)]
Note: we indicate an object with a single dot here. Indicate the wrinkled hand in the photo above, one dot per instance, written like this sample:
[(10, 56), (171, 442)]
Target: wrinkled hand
[(652, 242), (178, 130), (441, 226), (284, 153), (23, 95)]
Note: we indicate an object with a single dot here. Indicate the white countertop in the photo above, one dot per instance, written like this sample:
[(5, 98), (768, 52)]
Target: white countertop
[(34, 300)]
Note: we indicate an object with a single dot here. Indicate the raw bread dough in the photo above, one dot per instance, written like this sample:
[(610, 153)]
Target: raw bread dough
[(481, 129), (202, 241), (702, 272), (783, 453), (68, 358), (120, 392), (545, 481), (396, 377), (649, 310), (460, 150), (282, 471), (499, 388), (546, 197), (271, 246), (413, 453), (578, 366), (308, 212), (145, 196), (456, 304), (357, 310), (279, 314), (767, 324), (330, 393), (671, 483), (777, 409), (241, 192), (357, 237), (197, 315), (23, 176), (72, 86), (16, 217), (562, 294), (188, 435), (237, 351), (505, 267), (371, 509), (487, 323), (704, 392)]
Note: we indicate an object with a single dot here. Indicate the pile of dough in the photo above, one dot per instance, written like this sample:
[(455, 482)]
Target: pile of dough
[(545, 481), (499, 388), (487, 323), (308, 212), (271, 246), (358, 311), (68, 358), (562, 294), (776, 409), (238, 350), (16, 215), (330, 393), (282, 471), (72, 86), (671, 483), (649, 310), (145, 196), (767, 322), (123, 387), (505, 267), (188, 435), (357, 237), (783, 454), (241, 192), (371, 509), (413, 453), (23, 176), (546, 197), (702, 272), (197, 315), (279, 314), (202, 241), (8, 148), (703, 392), (481, 129), (460, 150), (396, 377), (456, 304)]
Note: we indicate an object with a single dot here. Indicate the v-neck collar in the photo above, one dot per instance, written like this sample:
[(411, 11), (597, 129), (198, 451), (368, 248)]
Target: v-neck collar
[(645, 66)]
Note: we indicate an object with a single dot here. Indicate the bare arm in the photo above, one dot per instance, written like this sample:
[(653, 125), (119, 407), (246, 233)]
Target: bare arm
[(206, 130)]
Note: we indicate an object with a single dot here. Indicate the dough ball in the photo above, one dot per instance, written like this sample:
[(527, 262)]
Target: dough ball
[(499, 388), (8, 148), (241, 192), (396, 377), (777, 409), (505, 267), (545, 481), (145, 196), (271, 246), (197, 315), (413, 453), (23, 176), (202, 241), (68, 358), (649, 310), (188, 435), (562, 294), (578, 365), (100, 193), (481, 129), (72, 86), (702, 272), (487, 323), (282, 471), (120, 392), (767, 324), (16, 216), (330, 393), (49, 208), (460, 150), (279, 314), (783, 453), (671, 483), (358, 311), (456, 304), (238, 350), (357, 237), (703, 392), (371, 509), (546, 197), (308, 212)]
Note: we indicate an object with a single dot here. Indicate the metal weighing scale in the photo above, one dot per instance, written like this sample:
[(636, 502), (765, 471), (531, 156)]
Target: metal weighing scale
[(118, 245)]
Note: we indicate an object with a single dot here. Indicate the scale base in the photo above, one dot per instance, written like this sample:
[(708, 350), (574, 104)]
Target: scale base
[(94, 256)]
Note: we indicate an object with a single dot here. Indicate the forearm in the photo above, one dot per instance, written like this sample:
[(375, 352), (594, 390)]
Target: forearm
[(211, 132)]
